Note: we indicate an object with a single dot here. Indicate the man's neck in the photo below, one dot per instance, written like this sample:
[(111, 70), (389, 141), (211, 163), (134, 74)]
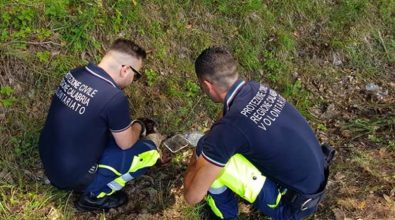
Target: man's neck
[(107, 65), (223, 96)]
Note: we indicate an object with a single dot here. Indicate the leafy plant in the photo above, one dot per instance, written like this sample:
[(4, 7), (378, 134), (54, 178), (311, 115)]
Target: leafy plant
[(6, 97), (152, 76), (43, 56), (192, 89)]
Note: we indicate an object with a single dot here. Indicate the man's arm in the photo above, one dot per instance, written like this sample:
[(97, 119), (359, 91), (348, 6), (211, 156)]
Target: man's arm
[(127, 138), (198, 179)]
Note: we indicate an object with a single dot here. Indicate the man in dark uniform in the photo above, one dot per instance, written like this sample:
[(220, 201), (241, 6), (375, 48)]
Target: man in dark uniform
[(89, 142), (262, 149)]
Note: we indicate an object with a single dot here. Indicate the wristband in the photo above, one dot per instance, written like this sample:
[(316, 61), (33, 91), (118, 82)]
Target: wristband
[(143, 129)]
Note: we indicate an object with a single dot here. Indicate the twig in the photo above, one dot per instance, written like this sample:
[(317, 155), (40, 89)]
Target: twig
[(191, 111), (383, 43), (34, 43)]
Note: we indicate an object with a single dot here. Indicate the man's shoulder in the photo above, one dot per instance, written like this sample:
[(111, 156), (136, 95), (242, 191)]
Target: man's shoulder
[(228, 125), (90, 76), (78, 69)]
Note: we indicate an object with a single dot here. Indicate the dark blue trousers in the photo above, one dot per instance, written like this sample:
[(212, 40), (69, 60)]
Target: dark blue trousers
[(120, 160), (227, 203)]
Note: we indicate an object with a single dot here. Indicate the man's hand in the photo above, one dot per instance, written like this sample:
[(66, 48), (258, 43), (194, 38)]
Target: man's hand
[(139, 128), (150, 125), (140, 124), (198, 179)]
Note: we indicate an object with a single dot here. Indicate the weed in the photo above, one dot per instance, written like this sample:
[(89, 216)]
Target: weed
[(6, 97), (152, 76), (192, 89), (299, 97), (193, 212), (34, 202), (42, 40), (347, 13), (371, 128), (391, 145), (43, 56), (322, 127)]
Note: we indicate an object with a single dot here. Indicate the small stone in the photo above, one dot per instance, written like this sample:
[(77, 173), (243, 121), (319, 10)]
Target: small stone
[(372, 88), (336, 60), (46, 181), (339, 214), (346, 133), (54, 214), (295, 75)]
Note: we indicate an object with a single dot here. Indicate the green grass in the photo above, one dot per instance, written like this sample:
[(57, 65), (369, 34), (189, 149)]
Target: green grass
[(373, 129), (272, 40), (193, 212)]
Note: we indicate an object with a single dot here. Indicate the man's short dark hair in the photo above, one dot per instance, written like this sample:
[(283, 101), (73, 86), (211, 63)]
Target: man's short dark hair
[(128, 47), (217, 64)]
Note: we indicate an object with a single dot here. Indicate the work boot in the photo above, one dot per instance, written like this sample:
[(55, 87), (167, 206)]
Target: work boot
[(89, 202)]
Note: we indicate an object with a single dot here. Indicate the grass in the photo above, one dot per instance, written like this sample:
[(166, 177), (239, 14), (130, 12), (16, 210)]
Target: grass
[(289, 45)]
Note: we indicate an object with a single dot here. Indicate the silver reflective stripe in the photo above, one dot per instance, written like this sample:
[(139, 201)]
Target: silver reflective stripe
[(217, 191), (97, 75), (114, 185), (233, 94), (127, 177)]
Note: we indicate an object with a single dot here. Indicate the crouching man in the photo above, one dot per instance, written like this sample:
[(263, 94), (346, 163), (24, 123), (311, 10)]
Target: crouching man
[(89, 143), (262, 149)]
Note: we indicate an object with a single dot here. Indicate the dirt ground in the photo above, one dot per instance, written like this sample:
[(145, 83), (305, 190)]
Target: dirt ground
[(354, 114)]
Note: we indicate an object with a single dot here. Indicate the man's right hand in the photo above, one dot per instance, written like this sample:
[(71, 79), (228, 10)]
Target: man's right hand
[(150, 125), (141, 125)]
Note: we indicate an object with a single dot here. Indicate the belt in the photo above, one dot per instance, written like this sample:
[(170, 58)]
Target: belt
[(303, 202)]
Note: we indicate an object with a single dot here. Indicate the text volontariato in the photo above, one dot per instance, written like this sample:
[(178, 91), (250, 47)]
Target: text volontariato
[(264, 108), (74, 94)]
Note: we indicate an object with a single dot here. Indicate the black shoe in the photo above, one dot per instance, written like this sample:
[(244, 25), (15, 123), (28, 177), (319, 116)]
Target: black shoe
[(88, 202)]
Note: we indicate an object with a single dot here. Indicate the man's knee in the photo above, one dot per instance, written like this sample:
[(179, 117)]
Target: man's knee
[(223, 203), (149, 144)]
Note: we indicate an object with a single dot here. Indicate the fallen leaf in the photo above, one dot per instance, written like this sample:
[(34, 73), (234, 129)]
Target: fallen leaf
[(387, 198), (339, 214)]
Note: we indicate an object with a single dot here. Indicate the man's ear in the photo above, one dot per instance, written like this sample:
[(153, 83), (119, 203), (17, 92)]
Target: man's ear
[(124, 71), (209, 85)]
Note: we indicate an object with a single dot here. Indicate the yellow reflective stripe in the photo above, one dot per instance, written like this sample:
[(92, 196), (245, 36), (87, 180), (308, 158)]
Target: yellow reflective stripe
[(110, 168), (117, 184), (120, 181), (214, 208), (142, 160), (102, 194), (279, 195), (242, 177), (145, 159), (217, 184)]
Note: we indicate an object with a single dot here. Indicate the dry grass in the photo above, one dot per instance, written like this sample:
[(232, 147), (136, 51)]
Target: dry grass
[(319, 54)]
